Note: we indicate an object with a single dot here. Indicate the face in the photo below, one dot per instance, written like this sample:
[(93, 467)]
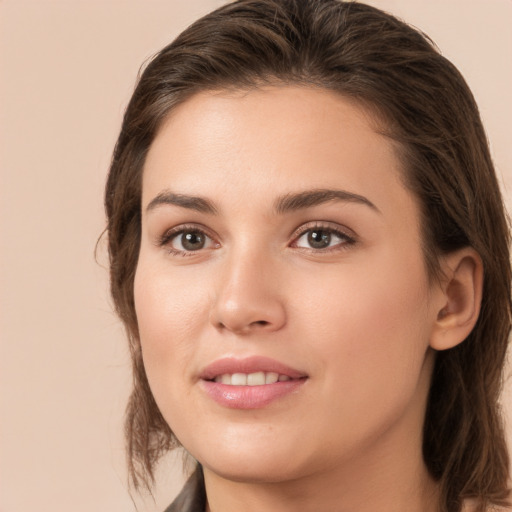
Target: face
[(281, 294)]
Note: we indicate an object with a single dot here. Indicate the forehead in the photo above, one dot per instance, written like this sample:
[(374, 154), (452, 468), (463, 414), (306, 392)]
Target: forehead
[(269, 141)]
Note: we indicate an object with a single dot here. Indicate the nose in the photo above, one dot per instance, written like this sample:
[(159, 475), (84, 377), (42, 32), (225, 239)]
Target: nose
[(248, 296)]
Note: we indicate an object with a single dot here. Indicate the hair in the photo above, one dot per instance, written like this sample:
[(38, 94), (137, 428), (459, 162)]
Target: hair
[(429, 113)]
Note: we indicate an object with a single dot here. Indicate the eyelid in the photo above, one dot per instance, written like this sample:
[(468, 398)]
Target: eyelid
[(170, 234), (327, 225), (334, 228), (342, 231)]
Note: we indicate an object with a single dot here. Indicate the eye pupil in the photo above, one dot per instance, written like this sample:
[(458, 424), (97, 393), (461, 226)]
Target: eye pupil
[(319, 239), (192, 241)]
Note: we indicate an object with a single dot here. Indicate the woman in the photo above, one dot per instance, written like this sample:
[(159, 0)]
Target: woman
[(309, 251)]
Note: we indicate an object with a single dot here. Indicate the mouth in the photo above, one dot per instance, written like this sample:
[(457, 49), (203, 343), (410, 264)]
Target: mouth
[(251, 379), (250, 383)]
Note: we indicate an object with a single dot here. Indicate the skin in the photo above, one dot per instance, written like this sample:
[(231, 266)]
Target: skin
[(359, 317)]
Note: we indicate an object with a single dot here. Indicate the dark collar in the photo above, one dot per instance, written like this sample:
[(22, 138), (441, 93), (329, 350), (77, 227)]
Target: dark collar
[(192, 497)]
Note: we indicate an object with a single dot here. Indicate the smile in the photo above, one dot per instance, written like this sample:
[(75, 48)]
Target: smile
[(250, 383), (251, 379)]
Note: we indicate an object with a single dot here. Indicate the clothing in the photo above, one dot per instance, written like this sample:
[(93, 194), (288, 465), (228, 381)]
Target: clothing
[(192, 497)]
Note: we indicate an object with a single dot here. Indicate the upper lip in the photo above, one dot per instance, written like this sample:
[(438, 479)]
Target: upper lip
[(253, 364)]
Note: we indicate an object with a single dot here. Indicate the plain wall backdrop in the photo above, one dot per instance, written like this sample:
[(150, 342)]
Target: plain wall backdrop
[(67, 70)]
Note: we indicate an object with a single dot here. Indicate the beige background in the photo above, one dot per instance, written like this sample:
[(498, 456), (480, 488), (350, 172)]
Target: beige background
[(67, 69)]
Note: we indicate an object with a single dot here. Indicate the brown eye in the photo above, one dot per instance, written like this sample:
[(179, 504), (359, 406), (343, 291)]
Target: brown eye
[(322, 238), (192, 241), (319, 238)]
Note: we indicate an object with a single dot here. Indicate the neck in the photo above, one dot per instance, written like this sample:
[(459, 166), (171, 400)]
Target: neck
[(387, 474), (385, 478), (326, 493)]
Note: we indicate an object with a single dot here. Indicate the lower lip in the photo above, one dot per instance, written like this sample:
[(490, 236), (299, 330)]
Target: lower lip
[(249, 397)]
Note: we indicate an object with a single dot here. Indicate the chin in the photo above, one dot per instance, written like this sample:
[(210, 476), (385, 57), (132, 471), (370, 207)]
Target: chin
[(253, 462), (265, 471)]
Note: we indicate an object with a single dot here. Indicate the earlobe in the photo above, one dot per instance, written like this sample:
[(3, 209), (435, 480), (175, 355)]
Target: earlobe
[(460, 296)]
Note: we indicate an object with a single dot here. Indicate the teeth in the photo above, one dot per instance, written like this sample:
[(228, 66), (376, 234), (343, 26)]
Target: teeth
[(271, 377), (251, 379), (255, 379), (239, 379)]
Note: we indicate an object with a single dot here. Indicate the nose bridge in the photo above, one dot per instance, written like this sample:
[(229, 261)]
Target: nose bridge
[(248, 296)]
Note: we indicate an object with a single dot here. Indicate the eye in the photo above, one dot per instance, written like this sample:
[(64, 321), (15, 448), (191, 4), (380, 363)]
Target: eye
[(184, 241), (322, 238), (189, 241)]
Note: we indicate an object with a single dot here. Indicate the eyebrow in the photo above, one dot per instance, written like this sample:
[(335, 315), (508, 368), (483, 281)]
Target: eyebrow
[(310, 198), (285, 204), (196, 203)]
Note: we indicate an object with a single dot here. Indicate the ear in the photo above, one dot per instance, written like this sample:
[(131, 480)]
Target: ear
[(459, 298)]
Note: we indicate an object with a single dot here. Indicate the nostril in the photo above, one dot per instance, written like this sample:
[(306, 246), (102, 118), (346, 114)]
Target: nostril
[(261, 322), (244, 329), (247, 315)]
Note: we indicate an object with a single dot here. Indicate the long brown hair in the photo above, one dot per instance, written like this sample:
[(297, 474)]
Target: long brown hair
[(428, 110)]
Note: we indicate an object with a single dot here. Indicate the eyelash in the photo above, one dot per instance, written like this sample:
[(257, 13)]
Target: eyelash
[(166, 239), (347, 240)]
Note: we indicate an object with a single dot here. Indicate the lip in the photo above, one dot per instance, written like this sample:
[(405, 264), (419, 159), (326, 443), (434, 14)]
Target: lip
[(248, 365), (249, 397)]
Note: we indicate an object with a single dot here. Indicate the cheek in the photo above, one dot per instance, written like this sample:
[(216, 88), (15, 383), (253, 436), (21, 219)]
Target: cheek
[(170, 313), (371, 333)]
